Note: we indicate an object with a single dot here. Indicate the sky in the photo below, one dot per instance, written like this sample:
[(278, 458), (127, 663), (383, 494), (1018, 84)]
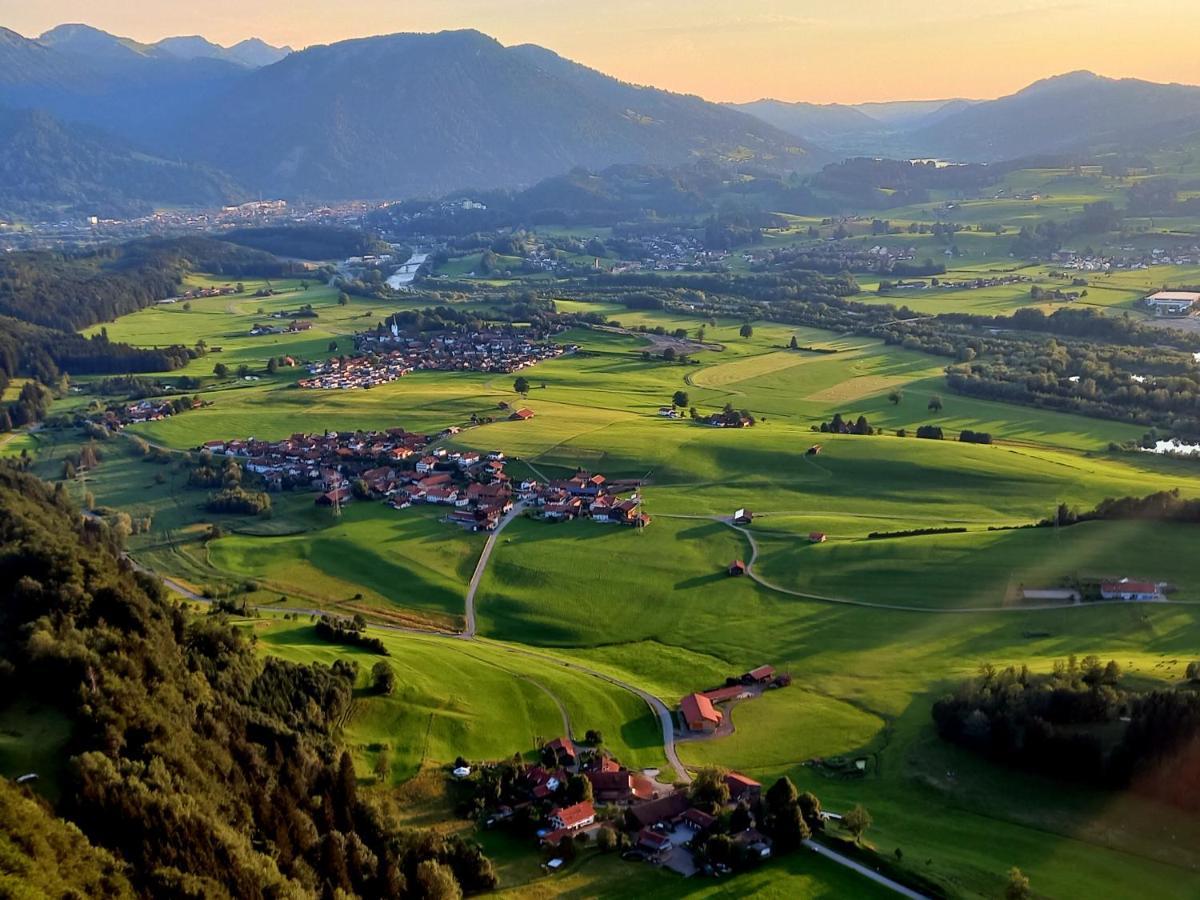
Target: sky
[(727, 50)]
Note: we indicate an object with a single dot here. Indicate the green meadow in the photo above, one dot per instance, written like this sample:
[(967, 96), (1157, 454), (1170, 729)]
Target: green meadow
[(655, 607)]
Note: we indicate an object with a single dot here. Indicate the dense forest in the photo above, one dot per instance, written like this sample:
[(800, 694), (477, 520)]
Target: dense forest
[(1079, 723), (47, 297), (316, 242), (194, 767)]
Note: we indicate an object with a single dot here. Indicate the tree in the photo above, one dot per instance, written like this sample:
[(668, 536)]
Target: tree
[(680, 399), (669, 354), (437, 881), (343, 299), (935, 403), (747, 330), (187, 306), (579, 789), (1193, 671), (794, 345), (783, 819), (272, 366), (521, 385), (383, 679), (221, 370), (606, 840), (1017, 887), (709, 790), (895, 397), (383, 764), (810, 809), (333, 347), (857, 821), (740, 819)]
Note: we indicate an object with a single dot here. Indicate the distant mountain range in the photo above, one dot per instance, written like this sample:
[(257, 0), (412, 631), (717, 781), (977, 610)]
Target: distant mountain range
[(420, 115), (850, 129), (1079, 112), (1076, 112), (92, 42)]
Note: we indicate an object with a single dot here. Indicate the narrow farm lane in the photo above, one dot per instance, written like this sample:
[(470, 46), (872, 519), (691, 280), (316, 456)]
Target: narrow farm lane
[(866, 872), (481, 566)]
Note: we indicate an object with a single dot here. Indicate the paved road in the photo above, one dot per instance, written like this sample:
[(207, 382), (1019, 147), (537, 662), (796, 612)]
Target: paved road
[(473, 587), (865, 871), (666, 718)]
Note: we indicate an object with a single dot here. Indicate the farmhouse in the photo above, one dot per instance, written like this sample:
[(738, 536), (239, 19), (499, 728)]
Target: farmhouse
[(562, 749), (522, 415), (817, 537), (1130, 590), (740, 786), (699, 714), (574, 817), (761, 675), (736, 568), (653, 843), (743, 517), (1172, 303)]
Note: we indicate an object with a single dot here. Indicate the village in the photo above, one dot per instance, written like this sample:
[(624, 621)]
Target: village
[(401, 469), (579, 793), (388, 354)]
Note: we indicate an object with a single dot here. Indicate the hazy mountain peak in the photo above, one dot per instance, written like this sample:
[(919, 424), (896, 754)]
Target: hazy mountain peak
[(88, 41)]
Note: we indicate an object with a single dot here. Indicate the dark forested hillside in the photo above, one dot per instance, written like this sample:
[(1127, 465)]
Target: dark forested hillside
[(194, 768), (46, 297), (1077, 111), (420, 115), (316, 242), (50, 168), (69, 291)]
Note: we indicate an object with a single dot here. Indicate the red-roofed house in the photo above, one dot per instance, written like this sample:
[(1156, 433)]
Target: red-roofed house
[(563, 750), (522, 415), (573, 817), (697, 820), (737, 567), (653, 843), (816, 537), (699, 713), (740, 786), (762, 674), (1130, 590)]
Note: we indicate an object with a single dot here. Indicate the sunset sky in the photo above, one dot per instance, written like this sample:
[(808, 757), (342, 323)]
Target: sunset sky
[(816, 50)]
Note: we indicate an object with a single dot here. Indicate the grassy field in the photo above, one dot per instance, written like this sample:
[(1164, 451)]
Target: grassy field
[(478, 700), (655, 607)]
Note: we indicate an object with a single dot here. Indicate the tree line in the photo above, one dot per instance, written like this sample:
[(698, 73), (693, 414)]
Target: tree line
[(194, 767), (1079, 723)]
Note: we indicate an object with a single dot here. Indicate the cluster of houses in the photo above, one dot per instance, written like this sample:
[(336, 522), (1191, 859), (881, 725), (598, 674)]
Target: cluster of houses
[(294, 327), (659, 820), (387, 354), (196, 293), (587, 496), (1127, 258), (971, 284), (344, 373), (325, 462), (698, 711), (151, 410)]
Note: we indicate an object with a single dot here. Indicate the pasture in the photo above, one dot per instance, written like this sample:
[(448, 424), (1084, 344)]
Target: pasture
[(655, 607)]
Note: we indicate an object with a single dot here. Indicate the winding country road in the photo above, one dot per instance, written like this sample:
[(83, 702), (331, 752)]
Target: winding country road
[(477, 576), (899, 607)]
